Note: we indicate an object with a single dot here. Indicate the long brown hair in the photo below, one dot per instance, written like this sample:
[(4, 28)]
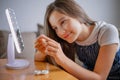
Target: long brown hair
[(72, 9)]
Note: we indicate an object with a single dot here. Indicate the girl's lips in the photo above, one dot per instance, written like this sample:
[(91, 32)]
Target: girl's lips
[(67, 35)]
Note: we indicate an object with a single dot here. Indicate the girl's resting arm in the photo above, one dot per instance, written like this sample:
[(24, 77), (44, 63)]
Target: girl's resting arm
[(102, 67)]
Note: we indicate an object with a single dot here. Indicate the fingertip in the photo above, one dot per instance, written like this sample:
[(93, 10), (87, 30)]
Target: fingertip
[(42, 35)]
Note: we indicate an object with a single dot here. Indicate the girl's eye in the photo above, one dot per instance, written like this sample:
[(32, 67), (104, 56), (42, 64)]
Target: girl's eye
[(55, 28), (62, 23)]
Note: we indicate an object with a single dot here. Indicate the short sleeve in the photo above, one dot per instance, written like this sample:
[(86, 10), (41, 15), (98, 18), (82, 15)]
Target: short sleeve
[(108, 35)]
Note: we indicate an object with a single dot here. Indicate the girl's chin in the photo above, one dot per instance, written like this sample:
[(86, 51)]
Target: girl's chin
[(70, 41)]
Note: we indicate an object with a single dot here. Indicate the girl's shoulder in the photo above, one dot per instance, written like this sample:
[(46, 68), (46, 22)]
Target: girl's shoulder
[(108, 33), (103, 26)]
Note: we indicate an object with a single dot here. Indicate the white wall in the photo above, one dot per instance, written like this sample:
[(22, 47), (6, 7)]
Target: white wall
[(31, 12), (28, 12), (107, 10)]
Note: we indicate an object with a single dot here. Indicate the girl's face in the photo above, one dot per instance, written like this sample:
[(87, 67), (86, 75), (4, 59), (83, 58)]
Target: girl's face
[(66, 27)]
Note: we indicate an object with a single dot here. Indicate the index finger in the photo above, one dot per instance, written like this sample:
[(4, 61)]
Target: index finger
[(39, 38), (47, 38)]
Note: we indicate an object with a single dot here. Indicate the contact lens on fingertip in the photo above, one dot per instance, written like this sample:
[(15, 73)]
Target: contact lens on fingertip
[(44, 41)]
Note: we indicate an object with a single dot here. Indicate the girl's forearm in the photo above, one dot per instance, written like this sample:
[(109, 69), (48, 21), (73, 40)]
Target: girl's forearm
[(78, 71)]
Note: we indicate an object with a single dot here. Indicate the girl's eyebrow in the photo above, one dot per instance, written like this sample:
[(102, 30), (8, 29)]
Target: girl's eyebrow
[(62, 18), (59, 20)]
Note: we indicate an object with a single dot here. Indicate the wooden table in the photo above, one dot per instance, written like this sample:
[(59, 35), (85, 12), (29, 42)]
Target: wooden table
[(55, 73)]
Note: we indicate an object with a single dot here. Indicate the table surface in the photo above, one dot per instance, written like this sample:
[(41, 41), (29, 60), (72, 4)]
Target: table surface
[(55, 73)]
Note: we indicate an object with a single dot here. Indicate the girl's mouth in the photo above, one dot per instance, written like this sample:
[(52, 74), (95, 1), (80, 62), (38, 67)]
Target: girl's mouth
[(67, 35)]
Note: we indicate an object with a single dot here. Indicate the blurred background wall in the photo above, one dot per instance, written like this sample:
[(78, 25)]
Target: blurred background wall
[(31, 12)]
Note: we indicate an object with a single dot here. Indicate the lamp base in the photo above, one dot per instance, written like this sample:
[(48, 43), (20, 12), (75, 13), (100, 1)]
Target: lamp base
[(18, 64)]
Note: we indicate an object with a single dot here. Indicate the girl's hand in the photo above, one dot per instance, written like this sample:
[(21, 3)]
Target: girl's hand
[(40, 44), (50, 47)]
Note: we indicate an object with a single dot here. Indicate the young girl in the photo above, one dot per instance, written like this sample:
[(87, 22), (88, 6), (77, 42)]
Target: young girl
[(70, 31)]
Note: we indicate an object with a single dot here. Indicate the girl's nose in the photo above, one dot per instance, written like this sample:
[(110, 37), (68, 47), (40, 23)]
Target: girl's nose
[(61, 32)]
